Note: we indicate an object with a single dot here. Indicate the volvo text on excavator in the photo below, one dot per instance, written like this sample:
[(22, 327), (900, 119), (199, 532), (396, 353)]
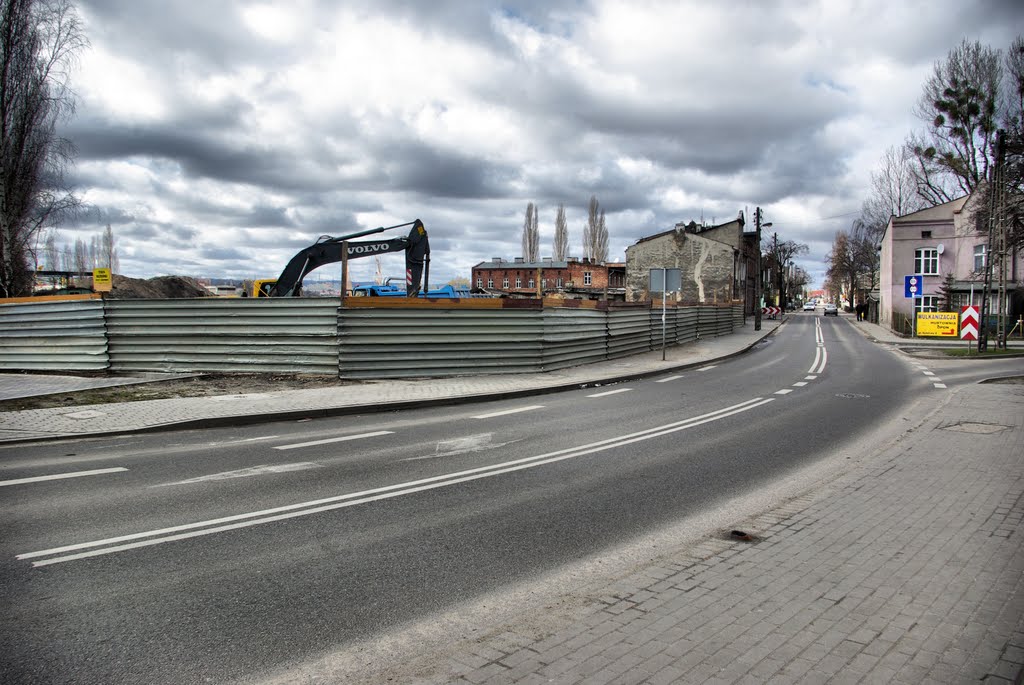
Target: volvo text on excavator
[(328, 250)]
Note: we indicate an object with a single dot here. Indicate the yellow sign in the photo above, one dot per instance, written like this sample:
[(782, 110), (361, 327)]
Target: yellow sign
[(938, 324), (102, 280)]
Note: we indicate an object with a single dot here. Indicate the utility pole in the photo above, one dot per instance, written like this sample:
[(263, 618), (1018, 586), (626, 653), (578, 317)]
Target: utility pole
[(757, 280), (777, 271)]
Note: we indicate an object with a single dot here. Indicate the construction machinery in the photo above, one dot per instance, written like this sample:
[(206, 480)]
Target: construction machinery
[(328, 250)]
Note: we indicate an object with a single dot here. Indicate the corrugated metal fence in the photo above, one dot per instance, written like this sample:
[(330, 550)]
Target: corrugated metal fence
[(61, 335), (315, 336), (276, 335)]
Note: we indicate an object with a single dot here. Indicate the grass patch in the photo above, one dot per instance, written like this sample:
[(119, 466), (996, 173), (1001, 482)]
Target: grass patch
[(990, 352)]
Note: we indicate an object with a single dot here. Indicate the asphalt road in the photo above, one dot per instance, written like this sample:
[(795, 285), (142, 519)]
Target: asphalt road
[(218, 555)]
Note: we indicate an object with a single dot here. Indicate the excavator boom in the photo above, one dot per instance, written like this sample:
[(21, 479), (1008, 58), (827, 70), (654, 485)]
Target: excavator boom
[(330, 250)]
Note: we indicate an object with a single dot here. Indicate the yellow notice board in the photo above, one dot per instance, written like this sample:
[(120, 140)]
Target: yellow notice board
[(102, 281), (938, 324)]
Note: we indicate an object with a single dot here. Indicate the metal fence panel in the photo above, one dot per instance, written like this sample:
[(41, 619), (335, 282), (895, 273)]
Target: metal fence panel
[(687, 319), (408, 343), (573, 337), (628, 332), (63, 335), (273, 335)]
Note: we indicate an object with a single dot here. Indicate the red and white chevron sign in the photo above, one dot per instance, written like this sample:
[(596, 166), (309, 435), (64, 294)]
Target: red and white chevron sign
[(968, 323), (770, 311)]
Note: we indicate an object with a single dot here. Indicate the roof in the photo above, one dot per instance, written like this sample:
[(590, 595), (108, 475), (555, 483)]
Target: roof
[(941, 212), (693, 228)]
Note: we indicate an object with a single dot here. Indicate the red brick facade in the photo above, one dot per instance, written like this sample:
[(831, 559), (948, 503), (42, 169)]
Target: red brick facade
[(522, 278)]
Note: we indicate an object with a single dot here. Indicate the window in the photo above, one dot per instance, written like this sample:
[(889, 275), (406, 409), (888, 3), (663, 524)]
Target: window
[(479, 282), (529, 284), (490, 282), (926, 261), (587, 278), (926, 234), (558, 282), (543, 283), (519, 281), (504, 283), (979, 256), (928, 303)]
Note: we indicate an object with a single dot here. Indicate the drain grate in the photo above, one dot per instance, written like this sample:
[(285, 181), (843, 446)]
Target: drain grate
[(975, 427), (852, 396)]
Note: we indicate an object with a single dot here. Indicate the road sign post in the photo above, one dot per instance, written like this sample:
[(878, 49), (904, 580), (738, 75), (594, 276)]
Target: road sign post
[(664, 280), (969, 324), (912, 287)]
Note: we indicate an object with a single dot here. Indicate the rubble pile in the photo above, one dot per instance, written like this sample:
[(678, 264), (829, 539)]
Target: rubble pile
[(160, 287)]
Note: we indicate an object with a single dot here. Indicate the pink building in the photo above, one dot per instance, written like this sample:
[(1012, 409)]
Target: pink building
[(945, 239)]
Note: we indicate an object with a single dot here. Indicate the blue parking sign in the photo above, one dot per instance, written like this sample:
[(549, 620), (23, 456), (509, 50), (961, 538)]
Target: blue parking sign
[(913, 285)]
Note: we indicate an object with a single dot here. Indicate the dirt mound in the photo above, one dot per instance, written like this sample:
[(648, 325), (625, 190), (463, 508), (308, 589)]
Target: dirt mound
[(160, 287)]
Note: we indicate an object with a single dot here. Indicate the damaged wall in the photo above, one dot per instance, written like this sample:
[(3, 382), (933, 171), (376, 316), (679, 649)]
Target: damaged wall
[(706, 266)]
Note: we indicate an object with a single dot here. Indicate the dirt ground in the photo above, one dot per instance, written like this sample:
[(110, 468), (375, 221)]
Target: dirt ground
[(160, 287), (199, 386)]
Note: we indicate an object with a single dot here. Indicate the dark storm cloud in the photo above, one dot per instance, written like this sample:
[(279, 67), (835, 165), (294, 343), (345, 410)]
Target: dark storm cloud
[(416, 167), (205, 32), (92, 215), (200, 154)]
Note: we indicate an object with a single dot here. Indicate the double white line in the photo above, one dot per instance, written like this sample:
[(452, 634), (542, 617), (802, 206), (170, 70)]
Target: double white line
[(95, 548), (820, 353)]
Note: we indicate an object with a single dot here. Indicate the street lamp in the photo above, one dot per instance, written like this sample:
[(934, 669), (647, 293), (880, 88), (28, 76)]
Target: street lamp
[(757, 281)]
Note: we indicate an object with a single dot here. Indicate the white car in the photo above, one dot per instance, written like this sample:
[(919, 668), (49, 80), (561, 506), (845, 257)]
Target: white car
[(809, 306), (830, 310)]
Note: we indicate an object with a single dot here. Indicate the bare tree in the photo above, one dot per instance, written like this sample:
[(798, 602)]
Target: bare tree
[(50, 253), (561, 243), (1013, 120), (852, 258), (781, 254), (531, 235), (108, 250), (39, 40), (960, 107), (893, 191), (595, 234), (81, 258)]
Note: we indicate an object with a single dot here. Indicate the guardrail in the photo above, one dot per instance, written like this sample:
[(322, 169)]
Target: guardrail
[(366, 338)]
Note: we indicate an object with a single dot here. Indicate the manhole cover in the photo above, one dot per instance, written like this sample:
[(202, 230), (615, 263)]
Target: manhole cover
[(977, 428), (86, 414), (852, 396)]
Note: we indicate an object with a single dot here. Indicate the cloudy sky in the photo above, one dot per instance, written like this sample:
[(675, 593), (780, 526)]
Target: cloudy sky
[(218, 138)]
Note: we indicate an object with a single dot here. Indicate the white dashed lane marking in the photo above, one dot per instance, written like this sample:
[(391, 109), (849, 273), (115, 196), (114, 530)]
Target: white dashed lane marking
[(610, 392)]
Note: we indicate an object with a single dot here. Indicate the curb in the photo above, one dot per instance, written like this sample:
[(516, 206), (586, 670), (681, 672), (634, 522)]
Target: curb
[(378, 407)]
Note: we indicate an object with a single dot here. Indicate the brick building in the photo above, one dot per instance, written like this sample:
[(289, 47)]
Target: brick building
[(547, 277)]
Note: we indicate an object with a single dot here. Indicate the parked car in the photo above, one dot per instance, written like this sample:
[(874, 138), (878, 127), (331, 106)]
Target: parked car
[(808, 306), (831, 310)]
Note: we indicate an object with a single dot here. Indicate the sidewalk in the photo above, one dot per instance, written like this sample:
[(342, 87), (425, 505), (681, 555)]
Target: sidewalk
[(383, 395), (907, 568)]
